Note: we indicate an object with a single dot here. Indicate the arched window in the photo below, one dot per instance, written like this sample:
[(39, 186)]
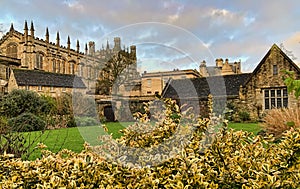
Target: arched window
[(58, 67), (39, 60), (63, 66), (81, 70), (54, 65), (12, 50), (72, 69)]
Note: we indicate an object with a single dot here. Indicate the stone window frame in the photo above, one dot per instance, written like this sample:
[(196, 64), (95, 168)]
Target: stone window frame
[(276, 97), (39, 60), (12, 50)]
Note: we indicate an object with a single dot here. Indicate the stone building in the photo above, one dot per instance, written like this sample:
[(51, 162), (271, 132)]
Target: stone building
[(255, 92), (265, 88), (41, 57), (154, 82)]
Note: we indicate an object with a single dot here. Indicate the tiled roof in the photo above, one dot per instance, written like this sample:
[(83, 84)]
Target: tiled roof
[(41, 78), (227, 85)]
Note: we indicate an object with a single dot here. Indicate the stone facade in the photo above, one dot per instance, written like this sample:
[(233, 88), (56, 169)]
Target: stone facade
[(255, 92), (154, 83), (41, 54), (265, 88)]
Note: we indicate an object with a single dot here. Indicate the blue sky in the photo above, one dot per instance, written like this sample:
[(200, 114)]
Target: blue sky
[(171, 34)]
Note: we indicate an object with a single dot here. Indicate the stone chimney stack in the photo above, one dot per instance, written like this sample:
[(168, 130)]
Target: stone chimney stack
[(219, 62), (203, 69)]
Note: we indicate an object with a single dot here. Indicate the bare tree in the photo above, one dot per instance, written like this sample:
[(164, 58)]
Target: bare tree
[(287, 52), (116, 72)]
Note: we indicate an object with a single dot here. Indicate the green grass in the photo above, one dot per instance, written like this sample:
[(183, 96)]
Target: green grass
[(250, 127), (74, 138)]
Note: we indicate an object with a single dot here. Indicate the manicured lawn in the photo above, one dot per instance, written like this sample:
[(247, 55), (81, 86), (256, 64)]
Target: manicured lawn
[(250, 127), (73, 138)]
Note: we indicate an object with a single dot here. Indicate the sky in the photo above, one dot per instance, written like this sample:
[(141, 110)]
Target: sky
[(170, 34)]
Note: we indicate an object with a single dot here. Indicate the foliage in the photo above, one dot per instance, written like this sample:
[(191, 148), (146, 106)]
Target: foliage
[(278, 121), (233, 160), (292, 83), (187, 159), (22, 101), (244, 116), (25, 111), (27, 122), (114, 73)]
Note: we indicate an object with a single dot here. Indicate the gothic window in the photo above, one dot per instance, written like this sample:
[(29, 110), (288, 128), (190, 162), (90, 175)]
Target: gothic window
[(39, 60), (12, 50), (54, 65), (276, 98), (58, 67), (275, 70), (72, 71), (63, 65), (81, 70)]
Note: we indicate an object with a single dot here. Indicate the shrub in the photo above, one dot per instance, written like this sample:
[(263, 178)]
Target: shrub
[(27, 122), (277, 121), (22, 101), (190, 160), (244, 116)]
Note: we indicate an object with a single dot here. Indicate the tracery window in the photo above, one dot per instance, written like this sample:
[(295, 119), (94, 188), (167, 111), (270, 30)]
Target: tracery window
[(12, 50), (39, 60)]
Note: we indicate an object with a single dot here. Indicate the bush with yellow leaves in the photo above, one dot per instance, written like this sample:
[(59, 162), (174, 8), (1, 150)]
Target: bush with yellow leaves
[(188, 158)]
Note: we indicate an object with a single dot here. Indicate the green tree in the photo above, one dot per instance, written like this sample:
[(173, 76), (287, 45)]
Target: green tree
[(292, 83)]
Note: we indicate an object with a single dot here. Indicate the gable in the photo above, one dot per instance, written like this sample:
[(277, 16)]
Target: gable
[(264, 75)]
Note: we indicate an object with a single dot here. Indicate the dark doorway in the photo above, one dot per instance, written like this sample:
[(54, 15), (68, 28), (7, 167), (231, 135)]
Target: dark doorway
[(109, 113)]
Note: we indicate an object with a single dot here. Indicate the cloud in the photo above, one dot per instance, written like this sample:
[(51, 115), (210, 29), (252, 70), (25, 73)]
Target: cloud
[(167, 33)]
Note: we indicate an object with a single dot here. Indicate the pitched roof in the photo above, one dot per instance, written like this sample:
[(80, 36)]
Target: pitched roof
[(274, 47), (41, 78), (227, 85)]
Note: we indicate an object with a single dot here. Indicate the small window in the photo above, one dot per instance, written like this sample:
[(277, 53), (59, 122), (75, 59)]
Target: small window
[(149, 92), (275, 70), (27, 87), (40, 88)]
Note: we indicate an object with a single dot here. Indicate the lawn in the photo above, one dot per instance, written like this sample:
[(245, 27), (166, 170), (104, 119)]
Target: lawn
[(73, 138), (250, 127)]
